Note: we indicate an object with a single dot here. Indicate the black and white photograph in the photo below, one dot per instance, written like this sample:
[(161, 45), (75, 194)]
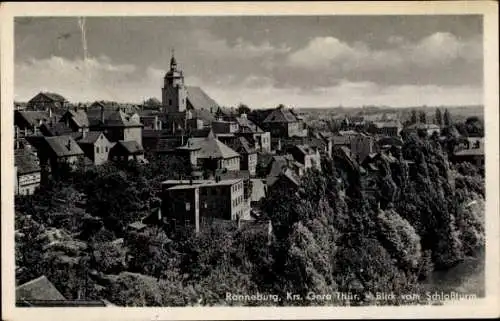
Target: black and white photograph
[(262, 160)]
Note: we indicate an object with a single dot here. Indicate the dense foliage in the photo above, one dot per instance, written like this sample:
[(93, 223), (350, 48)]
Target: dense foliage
[(333, 234)]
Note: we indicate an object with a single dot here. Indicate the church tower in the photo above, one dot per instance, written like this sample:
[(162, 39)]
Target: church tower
[(174, 93)]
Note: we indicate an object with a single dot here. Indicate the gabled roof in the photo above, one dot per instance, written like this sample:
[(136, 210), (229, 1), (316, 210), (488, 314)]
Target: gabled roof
[(52, 96), (38, 289), (79, 117), (90, 137), (33, 117), (210, 147), (287, 174), (247, 126), (198, 99), (63, 146), (26, 161), (121, 119), (281, 115), (241, 145), (130, 146), (279, 163), (55, 129)]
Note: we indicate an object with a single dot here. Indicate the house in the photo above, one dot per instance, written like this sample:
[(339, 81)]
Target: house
[(359, 144), (248, 155), (28, 122), (387, 128), (151, 122), (76, 119), (261, 139), (118, 125), (474, 153), (96, 147), (58, 150), (197, 204), (55, 128), (28, 172), (111, 106), (210, 153), (45, 101), (280, 163), (428, 129), (124, 151), (307, 156), (282, 122), (286, 182)]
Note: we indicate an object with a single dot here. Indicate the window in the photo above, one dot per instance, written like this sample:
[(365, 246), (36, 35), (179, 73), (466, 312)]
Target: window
[(170, 102), (188, 206), (107, 149), (97, 149)]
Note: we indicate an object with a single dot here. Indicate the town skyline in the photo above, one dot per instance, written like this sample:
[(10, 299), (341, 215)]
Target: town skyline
[(257, 62)]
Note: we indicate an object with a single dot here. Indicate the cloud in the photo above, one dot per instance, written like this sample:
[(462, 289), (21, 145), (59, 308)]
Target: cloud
[(444, 47), (101, 78), (207, 43), (331, 55), (81, 80)]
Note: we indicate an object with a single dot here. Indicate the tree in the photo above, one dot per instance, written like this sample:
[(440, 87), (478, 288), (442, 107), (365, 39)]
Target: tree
[(423, 117), (447, 118), (152, 103), (413, 118), (438, 117), (243, 109)]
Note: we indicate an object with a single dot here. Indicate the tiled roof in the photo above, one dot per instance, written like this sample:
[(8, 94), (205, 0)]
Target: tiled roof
[(198, 99), (248, 126), (52, 96), (121, 119), (90, 137), (26, 161), (34, 117), (131, 146), (80, 117), (38, 289), (63, 146), (279, 163), (281, 115), (210, 147), (241, 145), (55, 129)]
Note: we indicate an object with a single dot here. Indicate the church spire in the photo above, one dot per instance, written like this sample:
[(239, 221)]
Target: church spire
[(173, 62)]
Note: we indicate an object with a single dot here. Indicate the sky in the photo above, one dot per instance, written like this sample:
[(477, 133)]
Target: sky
[(261, 61)]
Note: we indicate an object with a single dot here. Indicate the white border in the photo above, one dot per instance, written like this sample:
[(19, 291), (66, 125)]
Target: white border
[(488, 307)]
